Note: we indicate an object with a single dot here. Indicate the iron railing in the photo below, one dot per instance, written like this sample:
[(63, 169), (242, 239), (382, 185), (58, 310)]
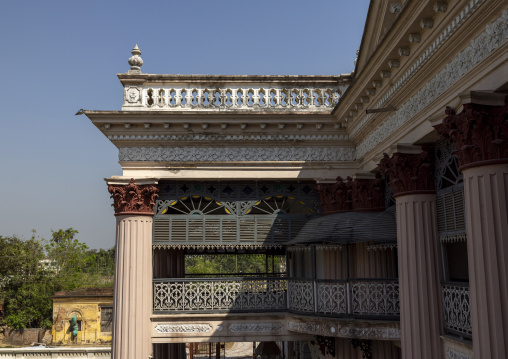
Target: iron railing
[(457, 309), (377, 298)]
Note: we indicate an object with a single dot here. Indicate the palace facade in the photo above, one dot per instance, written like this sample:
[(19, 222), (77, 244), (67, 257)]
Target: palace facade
[(384, 192)]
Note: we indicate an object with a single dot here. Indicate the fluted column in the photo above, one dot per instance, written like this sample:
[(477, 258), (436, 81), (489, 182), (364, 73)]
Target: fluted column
[(132, 304), (480, 134), (411, 179)]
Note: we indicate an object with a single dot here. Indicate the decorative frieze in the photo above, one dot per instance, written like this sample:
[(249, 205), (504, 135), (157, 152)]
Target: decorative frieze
[(199, 154), (271, 328), (183, 328), (494, 36), (372, 333), (133, 198), (409, 173), (479, 132)]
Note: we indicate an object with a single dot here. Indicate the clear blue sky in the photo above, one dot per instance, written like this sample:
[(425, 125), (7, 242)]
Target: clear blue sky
[(60, 56)]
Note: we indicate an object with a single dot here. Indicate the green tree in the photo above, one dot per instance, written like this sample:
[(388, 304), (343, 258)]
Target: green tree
[(25, 287)]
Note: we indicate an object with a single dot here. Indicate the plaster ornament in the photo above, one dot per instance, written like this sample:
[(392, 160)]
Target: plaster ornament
[(262, 125), (186, 126), (167, 125), (393, 64), (319, 126), (204, 126), (281, 126), (371, 91), (396, 8), (243, 126), (224, 126), (147, 125), (127, 125), (299, 126), (385, 74), (415, 37), (132, 95), (404, 51), (364, 99), (256, 328), (358, 106), (192, 154), (440, 6), (353, 113), (183, 328), (409, 173), (107, 126), (453, 354), (135, 61), (479, 132), (427, 23), (495, 35), (133, 198)]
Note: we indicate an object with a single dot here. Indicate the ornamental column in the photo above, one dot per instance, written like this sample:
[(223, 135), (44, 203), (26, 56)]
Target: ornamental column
[(132, 305), (480, 134), (412, 183)]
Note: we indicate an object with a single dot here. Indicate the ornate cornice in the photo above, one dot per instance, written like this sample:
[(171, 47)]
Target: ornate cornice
[(480, 134), (232, 137), (236, 154), (368, 195), (494, 36), (133, 198), (454, 25), (409, 173)]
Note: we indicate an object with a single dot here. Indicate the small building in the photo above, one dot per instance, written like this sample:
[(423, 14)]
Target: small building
[(93, 308)]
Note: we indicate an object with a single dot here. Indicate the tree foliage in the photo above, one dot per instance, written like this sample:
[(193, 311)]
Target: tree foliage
[(32, 270)]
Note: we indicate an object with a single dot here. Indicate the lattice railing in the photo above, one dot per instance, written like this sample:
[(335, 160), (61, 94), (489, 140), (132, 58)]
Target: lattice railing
[(301, 295), (332, 297), (209, 98), (224, 294), (373, 297), (360, 298), (457, 309)]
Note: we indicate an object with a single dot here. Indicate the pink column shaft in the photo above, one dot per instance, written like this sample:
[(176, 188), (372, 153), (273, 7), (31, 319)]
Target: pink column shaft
[(133, 288), (419, 276), (486, 207)]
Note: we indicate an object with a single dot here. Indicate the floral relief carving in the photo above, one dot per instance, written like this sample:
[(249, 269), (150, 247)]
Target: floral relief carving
[(334, 197), (409, 173), (256, 328), (479, 132), (191, 154), (133, 198), (183, 328), (367, 194)]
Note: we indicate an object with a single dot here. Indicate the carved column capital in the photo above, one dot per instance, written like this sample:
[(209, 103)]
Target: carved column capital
[(409, 173), (334, 197), (368, 195), (133, 198), (480, 133)]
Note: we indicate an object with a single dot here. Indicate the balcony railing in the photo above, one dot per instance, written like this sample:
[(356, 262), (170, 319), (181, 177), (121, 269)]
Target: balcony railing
[(377, 298), (457, 309), (235, 98)]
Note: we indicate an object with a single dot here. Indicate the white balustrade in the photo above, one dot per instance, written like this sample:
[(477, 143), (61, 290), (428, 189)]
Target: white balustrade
[(212, 98)]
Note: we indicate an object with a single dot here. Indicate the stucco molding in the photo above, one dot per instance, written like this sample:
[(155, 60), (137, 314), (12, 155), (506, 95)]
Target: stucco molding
[(468, 10), (256, 328), (495, 35), (373, 333), (211, 154), (244, 137), (183, 328)]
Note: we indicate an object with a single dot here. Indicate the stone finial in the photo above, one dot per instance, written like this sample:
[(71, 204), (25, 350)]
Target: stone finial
[(135, 60)]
